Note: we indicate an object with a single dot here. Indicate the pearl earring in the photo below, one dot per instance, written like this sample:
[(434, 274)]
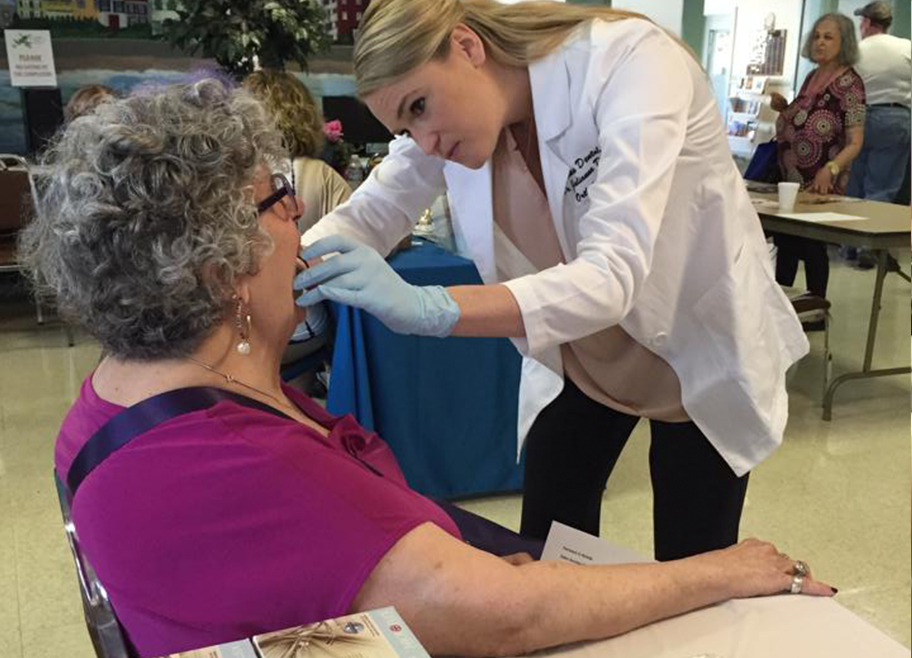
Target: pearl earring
[(243, 346)]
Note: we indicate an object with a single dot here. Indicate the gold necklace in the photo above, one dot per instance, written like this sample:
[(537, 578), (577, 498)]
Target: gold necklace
[(230, 379)]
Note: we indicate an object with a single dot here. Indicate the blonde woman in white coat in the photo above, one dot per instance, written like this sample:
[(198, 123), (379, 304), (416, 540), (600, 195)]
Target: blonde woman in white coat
[(590, 180)]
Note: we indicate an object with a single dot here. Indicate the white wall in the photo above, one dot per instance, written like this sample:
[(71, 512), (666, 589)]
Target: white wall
[(667, 13), (848, 8)]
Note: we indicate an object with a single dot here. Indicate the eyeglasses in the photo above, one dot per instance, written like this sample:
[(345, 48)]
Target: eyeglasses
[(284, 192)]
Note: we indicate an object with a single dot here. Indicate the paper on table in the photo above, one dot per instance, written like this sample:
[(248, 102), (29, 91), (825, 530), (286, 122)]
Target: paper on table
[(571, 545), (822, 216)]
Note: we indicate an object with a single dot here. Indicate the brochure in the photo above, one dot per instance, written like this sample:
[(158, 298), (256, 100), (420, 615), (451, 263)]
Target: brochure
[(374, 634)]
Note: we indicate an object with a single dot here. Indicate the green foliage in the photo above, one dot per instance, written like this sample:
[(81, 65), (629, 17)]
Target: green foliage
[(276, 31)]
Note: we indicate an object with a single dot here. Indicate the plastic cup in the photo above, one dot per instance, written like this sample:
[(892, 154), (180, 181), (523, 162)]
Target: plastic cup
[(788, 193)]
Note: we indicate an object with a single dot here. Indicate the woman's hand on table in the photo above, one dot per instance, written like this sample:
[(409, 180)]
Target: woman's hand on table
[(823, 182), (360, 277), (757, 568)]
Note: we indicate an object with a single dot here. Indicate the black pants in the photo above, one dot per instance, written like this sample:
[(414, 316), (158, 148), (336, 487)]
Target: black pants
[(791, 249), (573, 447)]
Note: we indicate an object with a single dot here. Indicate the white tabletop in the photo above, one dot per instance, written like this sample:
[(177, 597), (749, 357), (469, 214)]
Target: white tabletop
[(784, 626)]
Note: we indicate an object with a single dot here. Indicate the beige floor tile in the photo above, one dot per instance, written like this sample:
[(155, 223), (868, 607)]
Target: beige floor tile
[(48, 589), (10, 640), (886, 608), (57, 641)]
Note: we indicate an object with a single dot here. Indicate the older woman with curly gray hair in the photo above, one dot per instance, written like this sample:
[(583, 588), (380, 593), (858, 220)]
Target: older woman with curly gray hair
[(216, 503)]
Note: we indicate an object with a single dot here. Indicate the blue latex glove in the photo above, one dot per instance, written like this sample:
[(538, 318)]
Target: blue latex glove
[(359, 276)]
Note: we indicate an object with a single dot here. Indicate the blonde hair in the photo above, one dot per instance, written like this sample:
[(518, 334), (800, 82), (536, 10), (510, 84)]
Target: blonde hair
[(85, 99), (296, 113), (398, 36)]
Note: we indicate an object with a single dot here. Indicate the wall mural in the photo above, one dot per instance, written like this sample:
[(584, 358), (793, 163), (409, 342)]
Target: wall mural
[(127, 64)]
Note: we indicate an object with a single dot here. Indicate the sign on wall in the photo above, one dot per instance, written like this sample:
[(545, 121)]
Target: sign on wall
[(31, 59)]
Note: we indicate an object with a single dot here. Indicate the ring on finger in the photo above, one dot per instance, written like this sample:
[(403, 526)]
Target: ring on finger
[(802, 568), (797, 584)]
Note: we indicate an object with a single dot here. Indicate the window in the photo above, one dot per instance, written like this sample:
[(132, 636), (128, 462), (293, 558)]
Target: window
[(344, 15), (104, 5)]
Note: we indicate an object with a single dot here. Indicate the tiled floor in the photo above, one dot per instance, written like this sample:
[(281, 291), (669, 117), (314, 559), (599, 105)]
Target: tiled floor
[(836, 494)]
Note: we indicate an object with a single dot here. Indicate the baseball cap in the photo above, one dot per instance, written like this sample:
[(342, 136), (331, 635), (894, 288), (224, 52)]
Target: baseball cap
[(878, 12)]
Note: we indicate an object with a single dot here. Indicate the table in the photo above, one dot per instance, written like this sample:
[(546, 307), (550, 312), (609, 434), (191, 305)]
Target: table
[(784, 626), (447, 407), (886, 225)]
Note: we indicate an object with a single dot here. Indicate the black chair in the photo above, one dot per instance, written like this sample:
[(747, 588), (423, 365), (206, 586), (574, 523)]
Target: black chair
[(104, 629), (811, 308)]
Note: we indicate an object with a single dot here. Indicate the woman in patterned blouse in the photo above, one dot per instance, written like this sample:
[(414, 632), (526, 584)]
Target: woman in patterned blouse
[(819, 134)]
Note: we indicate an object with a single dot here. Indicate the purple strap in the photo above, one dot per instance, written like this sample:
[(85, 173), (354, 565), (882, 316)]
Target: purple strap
[(490, 537), (142, 417), (147, 414)]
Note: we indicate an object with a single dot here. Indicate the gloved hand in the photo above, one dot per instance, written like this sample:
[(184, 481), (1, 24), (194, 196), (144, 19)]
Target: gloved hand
[(360, 277)]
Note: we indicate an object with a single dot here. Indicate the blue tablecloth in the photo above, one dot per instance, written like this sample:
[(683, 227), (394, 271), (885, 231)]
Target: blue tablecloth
[(447, 407)]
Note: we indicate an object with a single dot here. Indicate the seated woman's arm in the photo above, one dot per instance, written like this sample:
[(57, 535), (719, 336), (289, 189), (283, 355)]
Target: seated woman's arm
[(461, 601)]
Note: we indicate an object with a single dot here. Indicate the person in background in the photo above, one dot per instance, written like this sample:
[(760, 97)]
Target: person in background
[(885, 66), (165, 231), (317, 184), (819, 135), (85, 100), (300, 121), (614, 235)]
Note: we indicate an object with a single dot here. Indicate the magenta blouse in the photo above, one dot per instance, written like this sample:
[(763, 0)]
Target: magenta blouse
[(227, 522)]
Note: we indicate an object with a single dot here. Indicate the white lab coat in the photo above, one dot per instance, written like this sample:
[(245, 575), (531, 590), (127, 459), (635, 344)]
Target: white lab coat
[(654, 222)]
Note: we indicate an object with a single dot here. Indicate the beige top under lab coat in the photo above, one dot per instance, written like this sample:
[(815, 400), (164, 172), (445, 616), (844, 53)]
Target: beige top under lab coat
[(608, 366)]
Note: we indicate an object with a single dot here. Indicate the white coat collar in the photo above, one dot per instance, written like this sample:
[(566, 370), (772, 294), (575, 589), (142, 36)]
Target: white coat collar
[(550, 81), (552, 105), (472, 192)]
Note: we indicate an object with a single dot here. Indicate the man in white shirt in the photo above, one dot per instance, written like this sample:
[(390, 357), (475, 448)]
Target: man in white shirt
[(884, 65)]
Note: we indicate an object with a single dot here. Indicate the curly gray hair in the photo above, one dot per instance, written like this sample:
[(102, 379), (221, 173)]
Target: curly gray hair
[(848, 44), (147, 216)]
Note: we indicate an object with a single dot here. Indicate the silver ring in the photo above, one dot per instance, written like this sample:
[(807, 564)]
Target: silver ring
[(797, 584), (802, 568)]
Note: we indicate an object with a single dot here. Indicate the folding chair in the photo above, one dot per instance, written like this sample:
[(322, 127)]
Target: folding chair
[(104, 629), (811, 308)]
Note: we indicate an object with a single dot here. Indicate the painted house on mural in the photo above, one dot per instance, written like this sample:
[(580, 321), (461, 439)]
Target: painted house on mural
[(162, 10), (68, 9), (332, 22), (28, 8), (118, 14), (348, 16)]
